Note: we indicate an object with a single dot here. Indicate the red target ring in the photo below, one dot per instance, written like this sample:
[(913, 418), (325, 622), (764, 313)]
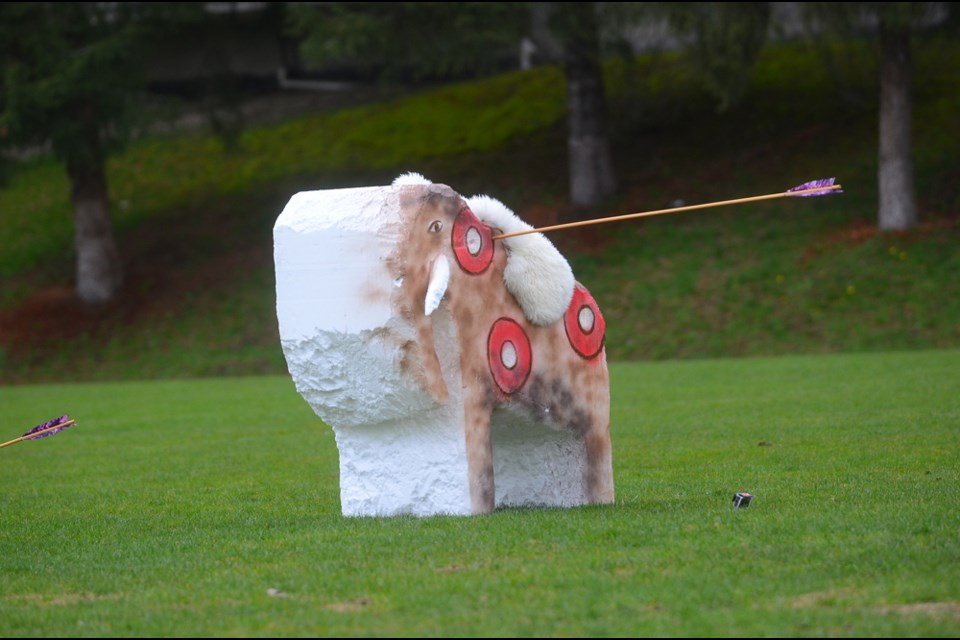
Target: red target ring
[(509, 355), (472, 242), (584, 323)]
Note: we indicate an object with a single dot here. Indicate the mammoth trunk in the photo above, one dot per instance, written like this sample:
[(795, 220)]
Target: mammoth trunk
[(99, 271)]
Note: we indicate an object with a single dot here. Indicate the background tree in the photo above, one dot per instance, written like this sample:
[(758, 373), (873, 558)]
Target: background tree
[(723, 39), (891, 26), (898, 200), (409, 41), (71, 80), (426, 40), (572, 30), (68, 81)]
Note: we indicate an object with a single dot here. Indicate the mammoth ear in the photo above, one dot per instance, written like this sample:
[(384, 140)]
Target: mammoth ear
[(439, 278), (537, 275)]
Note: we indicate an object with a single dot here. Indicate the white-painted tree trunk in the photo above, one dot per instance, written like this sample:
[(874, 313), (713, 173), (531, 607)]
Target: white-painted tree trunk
[(590, 164), (898, 206), (99, 269)]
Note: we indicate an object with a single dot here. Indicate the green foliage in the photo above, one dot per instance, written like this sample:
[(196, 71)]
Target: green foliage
[(71, 73), (845, 19), (756, 279), (845, 36), (159, 176), (68, 76), (410, 39), (211, 508), (724, 41)]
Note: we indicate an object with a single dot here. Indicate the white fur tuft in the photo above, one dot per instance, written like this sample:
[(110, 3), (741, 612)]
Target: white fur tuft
[(537, 275), (410, 178)]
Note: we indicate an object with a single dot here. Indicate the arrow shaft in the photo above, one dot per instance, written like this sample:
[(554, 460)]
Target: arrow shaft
[(693, 207), (10, 442)]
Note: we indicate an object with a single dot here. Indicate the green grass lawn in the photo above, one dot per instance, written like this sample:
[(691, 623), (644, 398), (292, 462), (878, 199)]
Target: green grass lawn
[(211, 507)]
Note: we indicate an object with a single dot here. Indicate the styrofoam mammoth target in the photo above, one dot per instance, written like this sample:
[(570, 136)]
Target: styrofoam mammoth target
[(458, 372)]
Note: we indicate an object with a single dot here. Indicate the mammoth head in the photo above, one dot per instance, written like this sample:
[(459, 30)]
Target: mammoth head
[(441, 236), (537, 275)]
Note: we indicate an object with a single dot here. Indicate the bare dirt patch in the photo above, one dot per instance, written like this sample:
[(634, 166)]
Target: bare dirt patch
[(934, 609)]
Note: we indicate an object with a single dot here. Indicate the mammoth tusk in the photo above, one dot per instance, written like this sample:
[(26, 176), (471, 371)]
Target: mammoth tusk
[(439, 278)]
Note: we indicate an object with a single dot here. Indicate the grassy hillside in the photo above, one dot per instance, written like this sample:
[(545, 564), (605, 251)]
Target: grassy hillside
[(211, 508), (194, 219)]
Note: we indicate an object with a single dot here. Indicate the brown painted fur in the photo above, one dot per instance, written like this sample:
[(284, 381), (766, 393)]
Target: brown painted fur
[(563, 389)]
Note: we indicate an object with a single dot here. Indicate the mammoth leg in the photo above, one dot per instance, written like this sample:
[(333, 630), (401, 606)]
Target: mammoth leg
[(479, 453), (599, 469)]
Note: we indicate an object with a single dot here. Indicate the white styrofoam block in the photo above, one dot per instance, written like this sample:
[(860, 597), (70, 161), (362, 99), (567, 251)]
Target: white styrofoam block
[(400, 452), (535, 465), (328, 246)]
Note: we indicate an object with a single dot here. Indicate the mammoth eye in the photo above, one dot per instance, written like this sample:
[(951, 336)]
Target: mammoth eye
[(436, 226)]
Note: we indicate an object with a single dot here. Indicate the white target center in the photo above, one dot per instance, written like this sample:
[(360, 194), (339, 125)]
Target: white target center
[(508, 355), (585, 319), (474, 241)]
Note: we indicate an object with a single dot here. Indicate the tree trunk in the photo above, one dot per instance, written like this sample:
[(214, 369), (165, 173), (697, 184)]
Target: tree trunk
[(898, 207), (99, 272), (591, 167)]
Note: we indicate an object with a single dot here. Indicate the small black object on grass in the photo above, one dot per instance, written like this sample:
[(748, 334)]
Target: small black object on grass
[(742, 500)]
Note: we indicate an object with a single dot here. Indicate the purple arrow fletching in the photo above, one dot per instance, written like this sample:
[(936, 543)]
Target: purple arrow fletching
[(46, 425), (815, 184)]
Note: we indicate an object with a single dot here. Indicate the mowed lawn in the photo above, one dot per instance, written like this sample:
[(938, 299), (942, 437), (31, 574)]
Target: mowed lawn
[(211, 508)]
